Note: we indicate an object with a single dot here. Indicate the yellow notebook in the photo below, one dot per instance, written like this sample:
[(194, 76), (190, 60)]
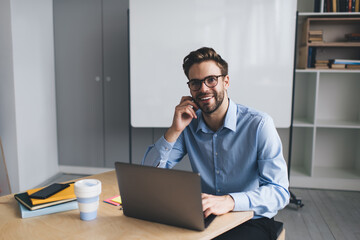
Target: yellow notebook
[(67, 193)]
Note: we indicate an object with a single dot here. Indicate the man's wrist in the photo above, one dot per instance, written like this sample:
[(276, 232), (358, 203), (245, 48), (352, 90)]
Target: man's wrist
[(171, 135), (231, 202)]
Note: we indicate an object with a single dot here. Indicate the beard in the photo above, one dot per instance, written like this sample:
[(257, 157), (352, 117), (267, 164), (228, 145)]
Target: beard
[(207, 108)]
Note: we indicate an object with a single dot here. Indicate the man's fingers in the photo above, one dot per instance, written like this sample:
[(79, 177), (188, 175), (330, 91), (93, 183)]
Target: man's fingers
[(207, 213), (189, 103), (216, 205), (204, 195), (207, 209), (187, 100), (186, 109), (205, 205)]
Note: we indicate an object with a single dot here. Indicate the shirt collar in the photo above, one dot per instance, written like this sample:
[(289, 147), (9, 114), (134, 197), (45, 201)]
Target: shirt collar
[(229, 122), (230, 117)]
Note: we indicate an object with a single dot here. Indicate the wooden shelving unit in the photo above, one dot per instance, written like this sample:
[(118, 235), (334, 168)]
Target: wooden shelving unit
[(326, 127), (334, 44)]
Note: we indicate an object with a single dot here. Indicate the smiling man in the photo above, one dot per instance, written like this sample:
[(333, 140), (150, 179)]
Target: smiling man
[(236, 149)]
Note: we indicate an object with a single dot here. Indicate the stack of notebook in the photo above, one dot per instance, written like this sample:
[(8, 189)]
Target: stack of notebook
[(61, 201)]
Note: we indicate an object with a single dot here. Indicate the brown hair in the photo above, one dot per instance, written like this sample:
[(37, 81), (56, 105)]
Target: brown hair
[(201, 55)]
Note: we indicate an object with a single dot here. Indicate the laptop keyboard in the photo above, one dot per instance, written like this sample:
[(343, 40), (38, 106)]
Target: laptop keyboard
[(209, 219)]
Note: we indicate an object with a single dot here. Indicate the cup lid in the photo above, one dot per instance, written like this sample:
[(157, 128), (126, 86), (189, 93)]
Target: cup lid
[(87, 185)]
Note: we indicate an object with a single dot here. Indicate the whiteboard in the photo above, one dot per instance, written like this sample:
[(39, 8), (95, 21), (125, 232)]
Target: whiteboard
[(256, 38)]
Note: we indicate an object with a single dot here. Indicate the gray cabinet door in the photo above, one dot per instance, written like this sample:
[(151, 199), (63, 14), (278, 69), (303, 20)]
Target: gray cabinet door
[(116, 84), (79, 82)]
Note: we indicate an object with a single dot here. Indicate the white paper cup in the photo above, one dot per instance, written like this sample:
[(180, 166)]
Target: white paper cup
[(87, 192)]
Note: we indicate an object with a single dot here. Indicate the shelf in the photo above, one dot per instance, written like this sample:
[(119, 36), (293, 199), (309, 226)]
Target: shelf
[(298, 171), (337, 124), (314, 70), (308, 70), (338, 100), (302, 149), (325, 14), (334, 44), (337, 151), (326, 133), (338, 173), (326, 125), (327, 178), (302, 122), (304, 105)]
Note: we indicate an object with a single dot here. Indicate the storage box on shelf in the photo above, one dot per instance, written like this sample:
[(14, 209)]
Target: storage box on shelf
[(326, 126)]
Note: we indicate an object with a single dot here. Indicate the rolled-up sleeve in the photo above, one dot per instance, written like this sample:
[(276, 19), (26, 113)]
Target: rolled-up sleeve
[(164, 154)]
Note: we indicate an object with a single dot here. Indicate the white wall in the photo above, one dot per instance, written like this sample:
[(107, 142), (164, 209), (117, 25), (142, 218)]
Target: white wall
[(7, 98), (30, 115)]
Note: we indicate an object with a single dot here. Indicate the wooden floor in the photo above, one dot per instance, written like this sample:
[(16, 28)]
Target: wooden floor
[(327, 215)]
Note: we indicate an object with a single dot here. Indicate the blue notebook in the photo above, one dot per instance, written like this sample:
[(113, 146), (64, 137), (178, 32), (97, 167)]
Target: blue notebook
[(26, 213)]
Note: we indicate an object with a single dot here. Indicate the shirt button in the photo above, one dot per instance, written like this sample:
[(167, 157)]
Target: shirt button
[(218, 190), (216, 153), (215, 135), (218, 172), (166, 149)]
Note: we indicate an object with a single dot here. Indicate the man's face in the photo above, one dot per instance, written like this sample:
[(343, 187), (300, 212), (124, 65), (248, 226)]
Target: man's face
[(208, 99)]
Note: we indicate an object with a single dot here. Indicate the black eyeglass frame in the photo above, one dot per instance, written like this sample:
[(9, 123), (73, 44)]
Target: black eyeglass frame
[(204, 81)]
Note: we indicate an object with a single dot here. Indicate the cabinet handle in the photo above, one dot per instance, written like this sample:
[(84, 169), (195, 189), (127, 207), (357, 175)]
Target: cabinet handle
[(108, 79), (97, 78)]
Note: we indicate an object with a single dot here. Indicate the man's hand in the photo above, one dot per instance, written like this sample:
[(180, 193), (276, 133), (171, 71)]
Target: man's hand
[(184, 114), (217, 205)]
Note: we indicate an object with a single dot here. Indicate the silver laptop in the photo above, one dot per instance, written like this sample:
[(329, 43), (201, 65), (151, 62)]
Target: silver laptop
[(165, 196)]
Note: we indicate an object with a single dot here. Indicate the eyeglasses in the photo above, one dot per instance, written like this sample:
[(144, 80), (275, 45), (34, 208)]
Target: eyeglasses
[(210, 81)]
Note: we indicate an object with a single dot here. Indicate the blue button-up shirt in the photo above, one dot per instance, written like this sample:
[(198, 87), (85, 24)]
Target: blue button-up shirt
[(243, 158)]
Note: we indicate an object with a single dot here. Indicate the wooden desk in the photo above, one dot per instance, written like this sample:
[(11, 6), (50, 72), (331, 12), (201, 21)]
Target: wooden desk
[(109, 224)]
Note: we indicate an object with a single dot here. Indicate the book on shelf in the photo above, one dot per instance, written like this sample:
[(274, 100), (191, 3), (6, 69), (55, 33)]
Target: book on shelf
[(345, 61), (353, 37), (26, 213), (327, 6), (338, 66), (24, 199), (67, 193), (350, 5), (341, 5), (322, 61), (317, 5), (315, 36), (322, 64), (354, 67), (315, 32), (311, 57)]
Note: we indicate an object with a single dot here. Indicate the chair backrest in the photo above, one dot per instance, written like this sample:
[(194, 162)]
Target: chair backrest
[(5, 187)]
